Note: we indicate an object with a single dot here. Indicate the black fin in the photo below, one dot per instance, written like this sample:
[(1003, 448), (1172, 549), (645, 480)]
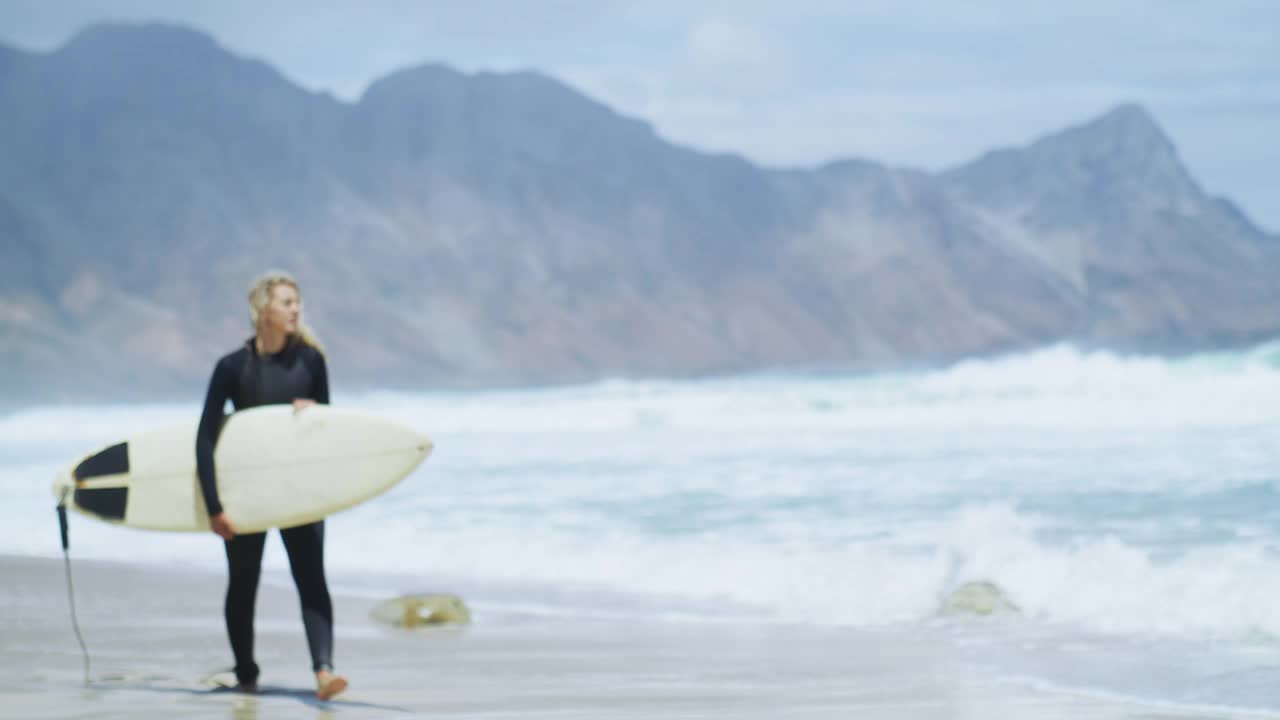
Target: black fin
[(112, 461)]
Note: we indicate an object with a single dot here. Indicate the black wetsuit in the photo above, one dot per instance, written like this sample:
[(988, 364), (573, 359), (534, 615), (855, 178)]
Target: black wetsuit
[(249, 379)]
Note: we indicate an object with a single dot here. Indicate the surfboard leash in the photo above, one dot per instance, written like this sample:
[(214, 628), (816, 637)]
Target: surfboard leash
[(71, 591)]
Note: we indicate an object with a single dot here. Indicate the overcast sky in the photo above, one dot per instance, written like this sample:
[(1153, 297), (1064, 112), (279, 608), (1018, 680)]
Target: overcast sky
[(927, 84)]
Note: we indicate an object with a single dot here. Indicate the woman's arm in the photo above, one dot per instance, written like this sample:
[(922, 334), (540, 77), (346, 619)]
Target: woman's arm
[(221, 387), (321, 379), (319, 382)]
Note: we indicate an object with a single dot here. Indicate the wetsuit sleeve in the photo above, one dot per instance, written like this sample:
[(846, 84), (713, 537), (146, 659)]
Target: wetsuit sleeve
[(321, 389), (221, 387)]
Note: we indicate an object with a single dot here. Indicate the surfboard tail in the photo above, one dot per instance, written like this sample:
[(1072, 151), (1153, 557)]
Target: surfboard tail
[(62, 487)]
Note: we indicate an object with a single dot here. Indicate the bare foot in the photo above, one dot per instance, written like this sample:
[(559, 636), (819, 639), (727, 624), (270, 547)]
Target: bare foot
[(329, 685)]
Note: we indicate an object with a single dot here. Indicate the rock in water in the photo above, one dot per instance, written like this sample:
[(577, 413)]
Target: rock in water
[(409, 611), (977, 598)]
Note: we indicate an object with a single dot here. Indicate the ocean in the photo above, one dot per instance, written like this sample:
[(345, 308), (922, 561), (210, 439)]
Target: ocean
[(1127, 507)]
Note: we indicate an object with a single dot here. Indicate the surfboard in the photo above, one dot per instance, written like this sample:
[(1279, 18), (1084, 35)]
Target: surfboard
[(275, 468)]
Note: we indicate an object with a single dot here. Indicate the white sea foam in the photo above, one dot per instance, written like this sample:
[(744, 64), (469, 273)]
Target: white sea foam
[(1117, 495)]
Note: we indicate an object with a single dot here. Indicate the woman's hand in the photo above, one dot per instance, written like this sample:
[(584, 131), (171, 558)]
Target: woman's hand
[(221, 525), (299, 404)]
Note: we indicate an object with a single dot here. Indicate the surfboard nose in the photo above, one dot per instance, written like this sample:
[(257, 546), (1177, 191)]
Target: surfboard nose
[(394, 434)]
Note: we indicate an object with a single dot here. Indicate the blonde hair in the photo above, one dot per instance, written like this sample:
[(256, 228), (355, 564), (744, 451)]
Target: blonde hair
[(260, 297)]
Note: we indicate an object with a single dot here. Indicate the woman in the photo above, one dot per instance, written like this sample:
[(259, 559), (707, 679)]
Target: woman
[(281, 364)]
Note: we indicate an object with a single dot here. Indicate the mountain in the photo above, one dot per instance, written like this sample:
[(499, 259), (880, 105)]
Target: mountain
[(456, 229), (1109, 210)]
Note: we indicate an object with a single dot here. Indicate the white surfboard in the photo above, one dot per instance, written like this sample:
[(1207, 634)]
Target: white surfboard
[(275, 467)]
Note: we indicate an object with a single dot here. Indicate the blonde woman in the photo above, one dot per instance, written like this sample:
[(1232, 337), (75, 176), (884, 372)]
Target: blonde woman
[(281, 364)]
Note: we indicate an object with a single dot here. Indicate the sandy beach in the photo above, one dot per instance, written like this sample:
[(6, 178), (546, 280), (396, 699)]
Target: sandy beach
[(157, 645)]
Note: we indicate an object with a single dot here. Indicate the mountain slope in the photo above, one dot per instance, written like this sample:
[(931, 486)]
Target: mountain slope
[(503, 228)]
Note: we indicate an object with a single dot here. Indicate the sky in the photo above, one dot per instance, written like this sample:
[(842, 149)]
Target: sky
[(924, 84)]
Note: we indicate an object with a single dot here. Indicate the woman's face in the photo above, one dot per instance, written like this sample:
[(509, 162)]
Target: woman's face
[(284, 309)]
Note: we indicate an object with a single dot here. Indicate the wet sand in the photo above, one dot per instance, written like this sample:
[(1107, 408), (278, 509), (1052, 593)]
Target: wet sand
[(158, 645)]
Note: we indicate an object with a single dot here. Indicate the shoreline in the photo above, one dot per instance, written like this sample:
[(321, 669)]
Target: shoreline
[(156, 639)]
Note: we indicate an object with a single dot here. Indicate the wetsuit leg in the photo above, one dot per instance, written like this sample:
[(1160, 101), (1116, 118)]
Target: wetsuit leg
[(305, 546), (244, 566)]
